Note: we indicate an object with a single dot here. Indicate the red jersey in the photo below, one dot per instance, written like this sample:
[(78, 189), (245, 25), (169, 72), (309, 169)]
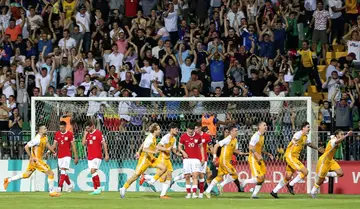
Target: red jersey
[(64, 143), (205, 140), (192, 145), (94, 144)]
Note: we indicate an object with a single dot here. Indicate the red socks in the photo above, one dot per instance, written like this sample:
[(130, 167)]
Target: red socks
[(96, 180)]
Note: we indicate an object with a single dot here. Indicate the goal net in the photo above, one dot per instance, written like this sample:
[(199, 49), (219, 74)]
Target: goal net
[(124, 123)]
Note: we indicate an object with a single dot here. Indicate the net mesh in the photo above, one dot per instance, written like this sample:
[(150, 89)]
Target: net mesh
[(124, 125)]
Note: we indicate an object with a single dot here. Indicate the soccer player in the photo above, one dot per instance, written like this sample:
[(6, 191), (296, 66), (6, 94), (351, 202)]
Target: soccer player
[(64, 141), (292, 154), (95, 142), (205, 140), (165, 146), (326, 165), (229, 147), (35, 149), (256, 162), (192, 154), (147, 159)]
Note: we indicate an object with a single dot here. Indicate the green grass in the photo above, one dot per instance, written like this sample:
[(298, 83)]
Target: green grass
[(81, 200)]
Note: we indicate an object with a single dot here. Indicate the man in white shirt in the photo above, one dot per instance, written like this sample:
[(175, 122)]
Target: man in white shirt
[(157, 76), (83, 16), (145, 81), (235, 14), (8, 85), (332, 83), (171, 21), (337, 28), (275, 106), (67, 42), (115, 58), (156, 49), (97, 75), (35, 21)]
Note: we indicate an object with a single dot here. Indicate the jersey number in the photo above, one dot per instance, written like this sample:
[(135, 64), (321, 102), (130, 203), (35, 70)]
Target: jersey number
[(61, 142), (191, 145), (90, 141)]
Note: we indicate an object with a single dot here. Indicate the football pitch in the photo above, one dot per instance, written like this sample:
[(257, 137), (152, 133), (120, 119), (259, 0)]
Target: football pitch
[(81, 200)]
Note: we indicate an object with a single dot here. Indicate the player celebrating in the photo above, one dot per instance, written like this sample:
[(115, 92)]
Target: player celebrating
[(95, 142), (193, 153), (326, 161), (256, 162), (37, 146), (229, 147), (165, 146), (64, 140), (147, 159), (292, 155)]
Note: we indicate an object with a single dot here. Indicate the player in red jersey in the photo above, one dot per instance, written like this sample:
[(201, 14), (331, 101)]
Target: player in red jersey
[(64, 141), (205, 140), (192, 154), (94, 141)]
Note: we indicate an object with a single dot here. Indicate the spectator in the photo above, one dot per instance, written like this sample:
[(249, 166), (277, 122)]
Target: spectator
[(187, 67), (325, 115), (4, 114), (343, 112), (194, 82), (15, 126), (322, 26)]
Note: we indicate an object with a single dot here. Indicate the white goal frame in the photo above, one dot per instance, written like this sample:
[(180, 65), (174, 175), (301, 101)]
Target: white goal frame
[(185, 99)]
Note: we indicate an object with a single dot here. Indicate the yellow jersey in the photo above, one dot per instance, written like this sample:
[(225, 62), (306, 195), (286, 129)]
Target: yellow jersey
[(229, 145), (330, 150), (38, 146), (306, 57), (257, 141), (296, 145), (167, 141), (150, 143), (69, 8)]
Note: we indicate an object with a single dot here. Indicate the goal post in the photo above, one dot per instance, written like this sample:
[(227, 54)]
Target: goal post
[(124, 122)]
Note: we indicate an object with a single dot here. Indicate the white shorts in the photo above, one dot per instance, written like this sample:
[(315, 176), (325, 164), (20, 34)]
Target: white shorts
[(191, 166), (94, 163), (203, 168), (64, 162)]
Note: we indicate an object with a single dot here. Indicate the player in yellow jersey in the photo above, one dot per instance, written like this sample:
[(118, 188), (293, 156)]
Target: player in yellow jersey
[(36, 149), (147, 159), (165, 146), (256, 161), (326, 165), (229, 147), (292, 154)]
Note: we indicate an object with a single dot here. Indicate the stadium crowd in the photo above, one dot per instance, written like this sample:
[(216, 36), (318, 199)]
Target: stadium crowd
[(179, 48)]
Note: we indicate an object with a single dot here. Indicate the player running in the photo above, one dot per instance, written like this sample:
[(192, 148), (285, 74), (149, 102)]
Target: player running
[(165, 146), (256, 161), (36, 149), (95, 142), (147, 159), (229, 147), (193, 154), (326, 165), (292, 154), (64, 141)]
